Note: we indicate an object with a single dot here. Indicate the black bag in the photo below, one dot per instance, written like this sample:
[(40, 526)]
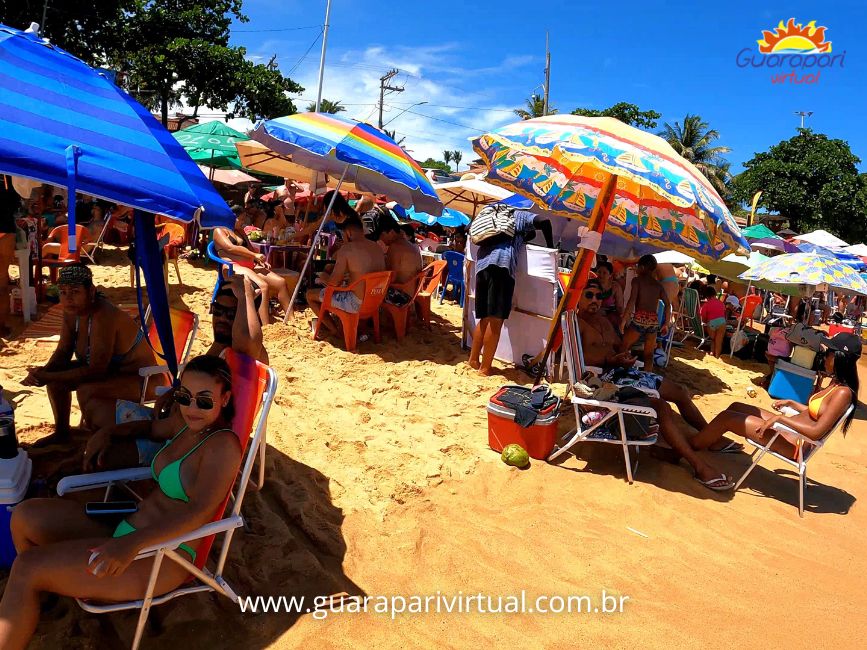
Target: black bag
[(761, 347)]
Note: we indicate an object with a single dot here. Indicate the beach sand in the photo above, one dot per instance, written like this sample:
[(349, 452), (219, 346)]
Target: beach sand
[(380, 482)]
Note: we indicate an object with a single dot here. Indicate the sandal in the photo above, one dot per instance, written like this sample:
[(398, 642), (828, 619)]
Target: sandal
[(719, 484), (531, 369), (731, 448)]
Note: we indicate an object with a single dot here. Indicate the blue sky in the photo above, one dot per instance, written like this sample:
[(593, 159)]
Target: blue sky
[(474, 61)]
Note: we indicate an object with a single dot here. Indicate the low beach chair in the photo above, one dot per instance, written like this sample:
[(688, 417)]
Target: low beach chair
[(433, 276), (613, 420), (695, 327), (375, 288), (807, 448), (185, 326), (400, 314), (92, 249), (254, 386)]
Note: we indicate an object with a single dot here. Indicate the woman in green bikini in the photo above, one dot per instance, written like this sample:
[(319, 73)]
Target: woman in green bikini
[(61, 550)]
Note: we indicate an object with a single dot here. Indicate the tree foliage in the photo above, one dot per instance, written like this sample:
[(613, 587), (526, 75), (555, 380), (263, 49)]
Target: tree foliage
[(430, 163), (327, 106), (534, 107), (694, 140), (625, 112), (456, 158), (813, 181)]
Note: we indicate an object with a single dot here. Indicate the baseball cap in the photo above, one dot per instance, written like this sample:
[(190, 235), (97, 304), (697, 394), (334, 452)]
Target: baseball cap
[(843, 342)]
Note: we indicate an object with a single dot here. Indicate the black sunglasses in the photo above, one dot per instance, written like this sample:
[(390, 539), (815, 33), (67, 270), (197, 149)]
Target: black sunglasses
[(220, 311), (590, 295), (183, 397)]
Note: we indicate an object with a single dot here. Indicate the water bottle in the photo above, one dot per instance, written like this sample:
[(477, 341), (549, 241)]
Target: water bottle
[(8, 441)]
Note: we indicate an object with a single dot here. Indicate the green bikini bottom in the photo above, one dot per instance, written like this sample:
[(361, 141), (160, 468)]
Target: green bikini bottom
[(125, 528)]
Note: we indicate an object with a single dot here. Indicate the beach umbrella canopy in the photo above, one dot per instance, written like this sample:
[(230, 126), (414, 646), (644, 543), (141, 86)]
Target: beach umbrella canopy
[(731, 266), (356, 152), (857, 249), (470, 195), (808, 269), (212, 144), (673, 257), (228, 176), (822, 238), (449, 218), (836, 253), (759, 231), (774, 244), (661, 201)]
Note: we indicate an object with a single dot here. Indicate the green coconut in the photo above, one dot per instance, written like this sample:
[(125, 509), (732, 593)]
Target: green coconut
[(516, 456)]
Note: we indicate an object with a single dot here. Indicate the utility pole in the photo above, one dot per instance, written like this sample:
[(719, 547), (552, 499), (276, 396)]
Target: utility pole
[(322, 56), (803, 114), (547, 75), (383, 86), (44, 18)]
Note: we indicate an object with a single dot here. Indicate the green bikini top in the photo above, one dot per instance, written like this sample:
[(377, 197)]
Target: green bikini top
[(169, 479)]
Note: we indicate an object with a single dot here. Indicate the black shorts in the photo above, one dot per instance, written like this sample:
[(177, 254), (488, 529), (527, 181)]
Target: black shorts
[(494, 291)]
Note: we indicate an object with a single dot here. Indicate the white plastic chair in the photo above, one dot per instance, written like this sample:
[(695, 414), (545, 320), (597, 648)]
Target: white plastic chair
[(248, 377), (615, 411), (806, 447)]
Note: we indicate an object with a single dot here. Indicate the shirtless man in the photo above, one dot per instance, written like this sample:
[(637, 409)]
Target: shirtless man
[(402, 257), (600, 339), (640, 315), (358, 256), (99, 354)]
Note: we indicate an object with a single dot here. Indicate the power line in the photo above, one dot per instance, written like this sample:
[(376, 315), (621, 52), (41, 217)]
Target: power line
[(304, 56), (431, 117)]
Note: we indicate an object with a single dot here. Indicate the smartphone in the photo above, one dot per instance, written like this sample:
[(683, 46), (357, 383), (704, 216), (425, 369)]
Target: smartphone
[(101, 508)]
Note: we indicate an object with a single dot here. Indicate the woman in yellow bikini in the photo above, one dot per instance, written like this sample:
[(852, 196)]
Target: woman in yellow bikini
[(814, 420), (64, 551)]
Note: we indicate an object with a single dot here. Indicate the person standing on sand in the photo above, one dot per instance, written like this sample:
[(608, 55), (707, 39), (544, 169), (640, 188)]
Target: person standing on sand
[(496, 262), (10, 203), (357, 257), (640, 316)]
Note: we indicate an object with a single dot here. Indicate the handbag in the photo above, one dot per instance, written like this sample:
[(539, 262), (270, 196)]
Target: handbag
[(806, 336), (493, 220)]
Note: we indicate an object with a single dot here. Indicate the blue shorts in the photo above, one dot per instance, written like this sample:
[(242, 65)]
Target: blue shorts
[(126, 411), (344, 301), (716, 322)]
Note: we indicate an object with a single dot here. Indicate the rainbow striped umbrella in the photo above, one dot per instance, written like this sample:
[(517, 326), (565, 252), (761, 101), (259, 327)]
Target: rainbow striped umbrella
[(809, 269), (661, 201), (370, 160)]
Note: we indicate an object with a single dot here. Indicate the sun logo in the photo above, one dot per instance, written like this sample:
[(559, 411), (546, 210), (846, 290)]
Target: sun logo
[(795, 38)]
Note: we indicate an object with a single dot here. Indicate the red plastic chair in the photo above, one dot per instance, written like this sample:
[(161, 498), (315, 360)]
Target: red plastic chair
[(748, 308), (375, 287), (177, 237), (400, 314), (65, 257), (433, 275)]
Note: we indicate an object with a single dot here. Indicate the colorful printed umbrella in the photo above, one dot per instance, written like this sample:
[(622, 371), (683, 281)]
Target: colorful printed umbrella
[(359, 153), (835, 253), (662, 202), (212, 144), (808, 269)]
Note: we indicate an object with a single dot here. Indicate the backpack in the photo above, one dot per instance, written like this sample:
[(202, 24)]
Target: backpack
[(493, 220)]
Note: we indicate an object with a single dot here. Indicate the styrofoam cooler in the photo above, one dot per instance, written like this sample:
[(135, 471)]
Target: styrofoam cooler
[(791, 382), (14, 481), (803, 356)]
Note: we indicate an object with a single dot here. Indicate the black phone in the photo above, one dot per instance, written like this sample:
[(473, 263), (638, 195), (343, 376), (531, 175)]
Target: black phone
[(103, 508)]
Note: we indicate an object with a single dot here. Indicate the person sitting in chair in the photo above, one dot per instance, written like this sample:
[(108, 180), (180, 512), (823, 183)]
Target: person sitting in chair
[(815, 420), (64, 551), (403, 258)]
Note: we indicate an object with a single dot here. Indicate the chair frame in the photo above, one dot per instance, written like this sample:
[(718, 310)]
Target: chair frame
[(226, 524), (694, 320), (800, 461), (424, 310), (221, 262), (97, 245), (351, 342), (400, 315), (573, 350)]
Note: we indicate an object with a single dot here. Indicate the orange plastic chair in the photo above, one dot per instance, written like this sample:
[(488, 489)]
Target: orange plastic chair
[(400, 315), (65, 257), (433, 275), (185, 326), (748, 307), (375, 287), (177, 236)]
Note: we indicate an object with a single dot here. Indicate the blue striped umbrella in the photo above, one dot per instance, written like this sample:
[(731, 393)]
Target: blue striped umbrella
[(449, 218), (63, 123)]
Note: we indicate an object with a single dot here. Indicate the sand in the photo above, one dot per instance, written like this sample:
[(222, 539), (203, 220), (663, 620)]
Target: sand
[(380, 482)]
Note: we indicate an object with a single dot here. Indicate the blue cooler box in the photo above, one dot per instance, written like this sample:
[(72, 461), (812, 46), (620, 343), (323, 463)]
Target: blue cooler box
[(14, 481), (791, 382)]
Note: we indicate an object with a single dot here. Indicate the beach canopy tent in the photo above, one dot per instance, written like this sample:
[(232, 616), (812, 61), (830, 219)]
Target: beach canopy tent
[(839, 254), (212, 144), (759, 231), (821, 238), (470, 195), (228, 176), (63, 123), (449, 218)]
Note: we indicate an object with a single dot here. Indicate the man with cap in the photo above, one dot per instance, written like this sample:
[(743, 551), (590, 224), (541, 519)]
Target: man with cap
[(99, 354)]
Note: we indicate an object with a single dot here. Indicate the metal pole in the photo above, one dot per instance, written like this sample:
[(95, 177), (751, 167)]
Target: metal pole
[(313, 241), (547, 75), (44, 18), (322, 56)]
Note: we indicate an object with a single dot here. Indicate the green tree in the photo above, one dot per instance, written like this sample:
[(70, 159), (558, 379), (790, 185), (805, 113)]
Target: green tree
[(626, 113), (447, 156), (694, 140), (456, 158), (813, 181), (393, 135), (430, 163), (535, 107), (326, 106), (263, 92)]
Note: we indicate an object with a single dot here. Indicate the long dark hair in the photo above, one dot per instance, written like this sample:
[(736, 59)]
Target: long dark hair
[(341, 205), (218, 369), (846, 373)]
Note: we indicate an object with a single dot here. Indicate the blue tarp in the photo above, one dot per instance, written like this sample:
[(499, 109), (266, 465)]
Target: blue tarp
[(449, 218), (847, 258), (63, 123)]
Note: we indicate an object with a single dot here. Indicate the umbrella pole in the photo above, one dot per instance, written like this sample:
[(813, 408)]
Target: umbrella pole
[(581, 267), (291, 309), (740, 318)]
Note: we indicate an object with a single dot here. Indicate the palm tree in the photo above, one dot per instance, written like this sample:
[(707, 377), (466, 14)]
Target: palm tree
[(447, 157), (393, 135), (456, 157), (694, 140), (535, 108), (326, 106)]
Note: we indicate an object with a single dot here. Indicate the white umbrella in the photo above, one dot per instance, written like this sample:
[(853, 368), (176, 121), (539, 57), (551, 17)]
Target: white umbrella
[(673, 257), (227, 176), (857, 249), (822, 238), (468, 196)]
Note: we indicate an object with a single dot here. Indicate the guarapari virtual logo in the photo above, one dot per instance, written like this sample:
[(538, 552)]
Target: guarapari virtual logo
[(793, 53)]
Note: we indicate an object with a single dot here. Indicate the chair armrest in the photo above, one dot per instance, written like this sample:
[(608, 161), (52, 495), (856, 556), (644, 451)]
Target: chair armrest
[(632, 409), (214, 528), (101, 479), (150, 371)]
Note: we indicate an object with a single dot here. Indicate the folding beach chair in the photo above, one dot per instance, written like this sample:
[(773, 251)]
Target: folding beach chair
[(185, 326), (694, 326), (254, 386), (92, 249), (806, 449), (613, 420)]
